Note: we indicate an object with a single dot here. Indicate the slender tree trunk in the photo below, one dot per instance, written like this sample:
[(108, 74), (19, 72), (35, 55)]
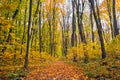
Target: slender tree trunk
[(80, 5), (91, 19), (99, 26), (63, 40), (100, 32), (74, 36), (54, 27), (40, 30), (116, 31), (50, 32), (110, 17), (17, 10), (62, 24), (23, 37), (44, 34), (51, 41), (37, 9), (28, 35), (67, 36)]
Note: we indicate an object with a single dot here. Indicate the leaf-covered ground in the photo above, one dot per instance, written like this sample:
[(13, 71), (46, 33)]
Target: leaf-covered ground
[(56, 71)]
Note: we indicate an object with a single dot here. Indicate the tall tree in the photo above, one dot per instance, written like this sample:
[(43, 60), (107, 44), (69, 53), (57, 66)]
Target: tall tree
[(50, 30), (116, 31), (17, 10), (110, 16), (54, 26), (40, 29), (74, 36), (91, 20), (28, 35), (97, 18), (23, 36), (80, 5)]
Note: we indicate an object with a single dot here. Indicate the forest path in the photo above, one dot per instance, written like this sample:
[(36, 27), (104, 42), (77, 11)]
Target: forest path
[(57, 71)]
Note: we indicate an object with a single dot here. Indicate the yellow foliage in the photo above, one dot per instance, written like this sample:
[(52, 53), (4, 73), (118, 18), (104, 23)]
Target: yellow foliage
[(91, 49), (113, 48), (8, 55)]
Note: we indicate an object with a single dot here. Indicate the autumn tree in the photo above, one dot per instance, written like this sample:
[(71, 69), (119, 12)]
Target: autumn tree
[(91, 20), (80, 5), (64, 35), (111, 8), (40, 29), (24, 30), (97, 18), (28, 35), (74, 36), (116, 31), (110, 16)]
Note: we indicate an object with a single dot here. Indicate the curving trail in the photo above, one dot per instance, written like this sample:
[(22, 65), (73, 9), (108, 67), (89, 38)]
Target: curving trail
[(57, 71)]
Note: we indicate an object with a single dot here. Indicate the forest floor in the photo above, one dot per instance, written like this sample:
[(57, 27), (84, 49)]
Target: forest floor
[(56, 71)]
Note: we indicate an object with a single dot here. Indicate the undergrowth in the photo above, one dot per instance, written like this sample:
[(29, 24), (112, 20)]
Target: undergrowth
[(11, 66), (95, 67)]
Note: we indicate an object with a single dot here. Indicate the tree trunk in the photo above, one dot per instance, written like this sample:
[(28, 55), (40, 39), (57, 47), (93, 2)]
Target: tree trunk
[(110, 17), (74, 36), (23, 37), (54, 27), (80, 6), (28, 35), (17, 10), (116, 31), (91, 19), (99, 26), (40, 30)]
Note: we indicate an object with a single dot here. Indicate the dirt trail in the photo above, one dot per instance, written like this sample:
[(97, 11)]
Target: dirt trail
[(57, 71)]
